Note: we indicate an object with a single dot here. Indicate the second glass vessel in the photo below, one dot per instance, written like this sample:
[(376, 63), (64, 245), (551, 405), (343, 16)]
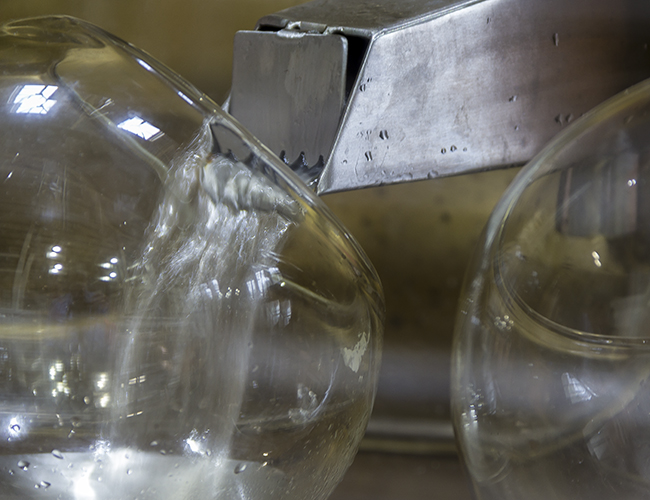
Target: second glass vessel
[(551, 360)]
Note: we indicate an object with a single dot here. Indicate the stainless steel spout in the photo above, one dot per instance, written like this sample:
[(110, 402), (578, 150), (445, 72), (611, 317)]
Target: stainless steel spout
[(370, 92)]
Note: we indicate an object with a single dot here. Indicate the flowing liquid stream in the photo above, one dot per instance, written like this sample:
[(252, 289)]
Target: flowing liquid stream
[(182, 363)]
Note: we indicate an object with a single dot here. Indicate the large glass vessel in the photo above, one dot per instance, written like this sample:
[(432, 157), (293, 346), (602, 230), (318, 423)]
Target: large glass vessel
[(551, 362), (180, 317)]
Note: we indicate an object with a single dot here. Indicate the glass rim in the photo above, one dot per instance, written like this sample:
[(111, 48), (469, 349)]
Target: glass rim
[(516, 304), (610, 108)]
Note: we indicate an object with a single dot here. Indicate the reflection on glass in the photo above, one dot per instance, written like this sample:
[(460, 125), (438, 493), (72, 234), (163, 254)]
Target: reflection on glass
[(185, 98), (144, 64), (137, 126), (35, 99), (56, 269)]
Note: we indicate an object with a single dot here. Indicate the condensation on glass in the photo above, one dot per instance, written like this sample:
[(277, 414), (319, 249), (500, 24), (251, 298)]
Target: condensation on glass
[(551, 382), (180, 317)]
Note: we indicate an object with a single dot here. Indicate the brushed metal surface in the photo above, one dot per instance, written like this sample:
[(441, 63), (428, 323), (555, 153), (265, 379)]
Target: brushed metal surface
[(298, 80), (483, 87), (451, 87), (361, 16)]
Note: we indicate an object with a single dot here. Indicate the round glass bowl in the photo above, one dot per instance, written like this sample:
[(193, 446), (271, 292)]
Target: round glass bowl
[(180, 317), (551, 359)]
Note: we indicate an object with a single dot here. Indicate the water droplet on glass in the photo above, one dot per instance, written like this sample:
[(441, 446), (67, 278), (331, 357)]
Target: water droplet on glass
[(75, 421), (15, 428), (240, 468), (57, 454), (44, 484), (23, 464), (453, 148), (464, 150), (512, 98), (153, 443), (556, 39), (443, 150), (129, 472), (11, 472)]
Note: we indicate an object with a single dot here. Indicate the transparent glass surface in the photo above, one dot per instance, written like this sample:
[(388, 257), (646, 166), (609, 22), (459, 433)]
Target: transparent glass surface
[(180, 317), (551, 360)]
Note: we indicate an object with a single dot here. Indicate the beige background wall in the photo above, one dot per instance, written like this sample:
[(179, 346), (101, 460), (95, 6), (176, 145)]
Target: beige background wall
[(419, 235), (193, 37)]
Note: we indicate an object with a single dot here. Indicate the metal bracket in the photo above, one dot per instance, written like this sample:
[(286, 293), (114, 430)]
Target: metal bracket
[(391, 91)]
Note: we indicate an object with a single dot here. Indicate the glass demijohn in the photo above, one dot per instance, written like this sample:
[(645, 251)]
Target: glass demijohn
[(551, 360), (180, 317)]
